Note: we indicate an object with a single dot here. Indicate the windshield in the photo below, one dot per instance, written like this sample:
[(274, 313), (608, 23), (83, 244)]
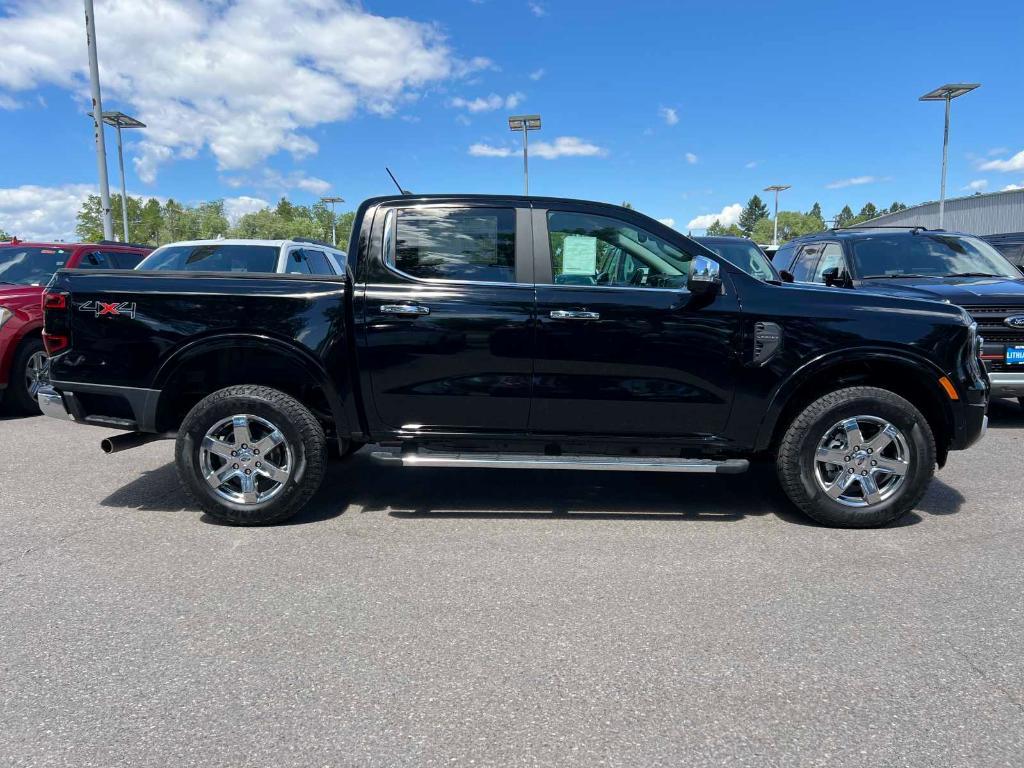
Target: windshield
[(746, 256), (212, 258), (31, 266), (928, 255)]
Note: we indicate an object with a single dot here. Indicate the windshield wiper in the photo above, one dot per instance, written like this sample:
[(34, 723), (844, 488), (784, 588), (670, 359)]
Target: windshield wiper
[(971, 274), (893, 277)]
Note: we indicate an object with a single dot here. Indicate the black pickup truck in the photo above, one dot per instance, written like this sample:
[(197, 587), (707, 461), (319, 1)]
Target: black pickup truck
[(518, 332)]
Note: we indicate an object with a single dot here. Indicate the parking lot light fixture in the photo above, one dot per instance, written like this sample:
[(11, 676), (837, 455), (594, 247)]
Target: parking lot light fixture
[(120, 120), (334, 217), (525, 123), (97, 122), (947, 93), (776, 188)]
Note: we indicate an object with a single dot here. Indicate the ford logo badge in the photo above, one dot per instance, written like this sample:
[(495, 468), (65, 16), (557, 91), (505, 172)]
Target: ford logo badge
[(1015, 321)]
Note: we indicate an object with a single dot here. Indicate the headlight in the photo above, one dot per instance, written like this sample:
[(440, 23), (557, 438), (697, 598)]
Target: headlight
[(5, 315)]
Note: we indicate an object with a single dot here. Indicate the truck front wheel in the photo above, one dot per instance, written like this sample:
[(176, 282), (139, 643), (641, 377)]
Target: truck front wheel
[(250, 455), (857, 458)]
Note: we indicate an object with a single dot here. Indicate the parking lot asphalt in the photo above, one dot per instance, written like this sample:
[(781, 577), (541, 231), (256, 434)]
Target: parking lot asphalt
[(454, 617)]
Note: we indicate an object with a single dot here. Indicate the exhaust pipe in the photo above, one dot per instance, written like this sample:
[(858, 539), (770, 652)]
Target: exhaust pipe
[(117, 443)]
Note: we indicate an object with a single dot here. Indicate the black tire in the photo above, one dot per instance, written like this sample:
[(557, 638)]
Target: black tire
[(1021, 401), (798, 469), (303, 439), (19, 397)]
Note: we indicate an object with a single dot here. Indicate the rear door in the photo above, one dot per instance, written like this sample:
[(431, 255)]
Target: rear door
[(622, 347), (448, 316)]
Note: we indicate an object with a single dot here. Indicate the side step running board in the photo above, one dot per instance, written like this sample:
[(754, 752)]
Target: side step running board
[(539, 461)]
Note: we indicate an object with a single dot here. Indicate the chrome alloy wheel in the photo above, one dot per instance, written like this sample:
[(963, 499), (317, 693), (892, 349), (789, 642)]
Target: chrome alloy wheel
[(245, 459), (862, 461), (37, 373)]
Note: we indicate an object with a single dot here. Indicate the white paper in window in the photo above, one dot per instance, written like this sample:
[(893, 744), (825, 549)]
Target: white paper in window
[(579, 255)]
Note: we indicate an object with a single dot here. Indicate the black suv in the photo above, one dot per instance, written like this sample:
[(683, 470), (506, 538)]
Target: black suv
[(1011, 245), (929, 264)]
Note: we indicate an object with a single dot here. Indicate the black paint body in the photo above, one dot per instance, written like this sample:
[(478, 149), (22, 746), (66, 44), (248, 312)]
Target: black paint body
[(662, 370)]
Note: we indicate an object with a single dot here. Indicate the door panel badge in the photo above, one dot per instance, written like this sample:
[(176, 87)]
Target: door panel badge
[(109, 309)]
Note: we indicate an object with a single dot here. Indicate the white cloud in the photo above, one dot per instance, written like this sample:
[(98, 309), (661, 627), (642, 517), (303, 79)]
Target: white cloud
[(728, 215), (566, 146), (282, 182), (244, 79), (537, 9), (977, 185), (852, 182), (236, 207), (997, 151), (691, 158), (752, 164), (669, 115), (488, 103), (32, 212), (1011, 187), (1015, 163), (537, 74), (563, 146), (487, 150), (668, 222)]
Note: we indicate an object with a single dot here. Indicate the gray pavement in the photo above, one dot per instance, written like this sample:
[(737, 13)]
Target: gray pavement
[(446, 617)]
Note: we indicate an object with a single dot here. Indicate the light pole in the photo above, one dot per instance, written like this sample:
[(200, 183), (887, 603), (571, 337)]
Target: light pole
[(334, 218), (525, 123), (97, 121), (120, 120), (946, 93), (776, 188)]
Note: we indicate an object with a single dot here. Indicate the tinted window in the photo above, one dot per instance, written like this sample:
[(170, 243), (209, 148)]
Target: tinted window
[(125, 260), (831, 258), (297, 263), (783, 256), (456, 243), (318, 263), (30, 266), (587, 249), (803, 267), (1013, 253), (212, 258), (746, 256), (95, 260), (928, 254)]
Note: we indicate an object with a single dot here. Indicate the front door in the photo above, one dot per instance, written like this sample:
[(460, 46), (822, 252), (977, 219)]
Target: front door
[(448, 318), (622, 347)]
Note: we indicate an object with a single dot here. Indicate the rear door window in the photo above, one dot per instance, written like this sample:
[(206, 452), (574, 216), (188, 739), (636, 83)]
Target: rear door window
[(465, 244), (95, 260), (317, 262), (213, 258)]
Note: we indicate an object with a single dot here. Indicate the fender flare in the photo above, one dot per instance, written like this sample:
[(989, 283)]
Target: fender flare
[(912, 361), (235, 341)]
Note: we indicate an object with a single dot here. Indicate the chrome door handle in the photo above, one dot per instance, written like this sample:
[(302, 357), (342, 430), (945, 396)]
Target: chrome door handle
[(404, 309), (573, 314)]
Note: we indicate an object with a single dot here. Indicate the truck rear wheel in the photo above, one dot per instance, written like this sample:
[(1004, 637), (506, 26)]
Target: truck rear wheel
[(857, 458), (250, 455)]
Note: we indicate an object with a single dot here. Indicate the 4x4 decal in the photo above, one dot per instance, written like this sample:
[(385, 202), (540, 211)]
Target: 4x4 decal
[(117, 308)]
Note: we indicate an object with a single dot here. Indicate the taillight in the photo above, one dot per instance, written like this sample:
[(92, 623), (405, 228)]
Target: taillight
[(55, 301), (54, 343)]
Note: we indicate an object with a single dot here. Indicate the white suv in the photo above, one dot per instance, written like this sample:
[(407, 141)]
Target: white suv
[(289, 257)]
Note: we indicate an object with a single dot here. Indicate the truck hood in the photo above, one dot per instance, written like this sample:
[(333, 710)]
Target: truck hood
[(962, 291), (20, 296)]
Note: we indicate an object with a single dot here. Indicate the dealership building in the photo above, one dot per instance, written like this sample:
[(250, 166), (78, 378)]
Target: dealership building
[(994, 213)]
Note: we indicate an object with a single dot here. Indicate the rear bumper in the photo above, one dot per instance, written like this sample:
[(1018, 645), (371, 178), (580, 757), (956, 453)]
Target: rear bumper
[(51, 403), (1007, 383), (129, 408)]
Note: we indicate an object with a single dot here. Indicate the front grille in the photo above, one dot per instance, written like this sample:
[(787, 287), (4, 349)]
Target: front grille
[(991, 326)]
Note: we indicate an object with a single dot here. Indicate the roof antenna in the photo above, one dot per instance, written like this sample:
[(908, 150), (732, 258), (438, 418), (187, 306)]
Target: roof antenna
[(403, 191)]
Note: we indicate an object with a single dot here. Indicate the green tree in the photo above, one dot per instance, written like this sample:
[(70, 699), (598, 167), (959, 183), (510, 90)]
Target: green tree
[(753, 213), (896, 206), (844, 217), (815, 215), (717, 228), (627, 204), (4, 235)]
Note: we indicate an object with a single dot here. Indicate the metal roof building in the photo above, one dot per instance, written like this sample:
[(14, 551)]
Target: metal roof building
[(989, 214)]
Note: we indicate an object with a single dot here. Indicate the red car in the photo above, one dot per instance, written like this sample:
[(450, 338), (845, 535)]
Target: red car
[(25, 269)]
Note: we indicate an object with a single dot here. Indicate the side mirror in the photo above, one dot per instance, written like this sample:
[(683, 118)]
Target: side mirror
[(835, 276), (704, 276), (787, 277)]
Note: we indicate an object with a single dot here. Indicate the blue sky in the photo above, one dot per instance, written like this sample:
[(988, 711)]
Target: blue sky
[(684, 109)]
